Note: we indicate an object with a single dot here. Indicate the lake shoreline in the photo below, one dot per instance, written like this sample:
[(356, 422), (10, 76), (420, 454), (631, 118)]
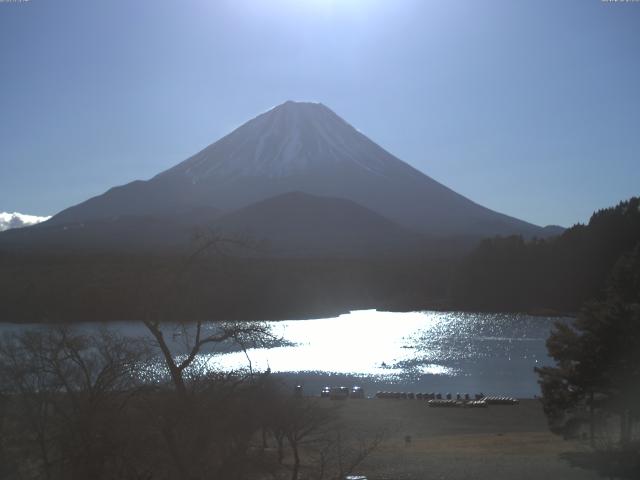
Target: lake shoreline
[(330, 313), (419, 352), (313, 382)]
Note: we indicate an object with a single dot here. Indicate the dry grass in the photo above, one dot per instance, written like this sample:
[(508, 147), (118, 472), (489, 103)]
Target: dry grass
[(499, 442)]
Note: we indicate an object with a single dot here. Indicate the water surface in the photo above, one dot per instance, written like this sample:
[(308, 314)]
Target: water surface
[(399, 351)]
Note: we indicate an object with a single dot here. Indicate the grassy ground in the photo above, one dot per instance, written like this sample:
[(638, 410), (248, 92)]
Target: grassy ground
[(498, 442)]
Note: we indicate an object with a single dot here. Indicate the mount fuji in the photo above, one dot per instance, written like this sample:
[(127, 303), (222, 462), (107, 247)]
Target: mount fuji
[(295, 147)]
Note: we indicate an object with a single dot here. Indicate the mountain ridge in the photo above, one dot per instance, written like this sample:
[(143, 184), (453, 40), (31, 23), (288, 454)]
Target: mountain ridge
[(301, 147)]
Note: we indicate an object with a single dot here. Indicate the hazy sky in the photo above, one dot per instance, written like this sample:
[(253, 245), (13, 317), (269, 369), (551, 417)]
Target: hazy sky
[(531, 108)]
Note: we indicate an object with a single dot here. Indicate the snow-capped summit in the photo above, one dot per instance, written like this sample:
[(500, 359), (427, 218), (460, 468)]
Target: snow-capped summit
[(290, 139), (17, 220), (300, 147)]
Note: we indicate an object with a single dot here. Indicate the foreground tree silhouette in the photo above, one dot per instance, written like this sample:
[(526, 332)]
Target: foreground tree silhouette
[(597, 358), (201, 417), (195, 334), (66, 404), (88, 405)]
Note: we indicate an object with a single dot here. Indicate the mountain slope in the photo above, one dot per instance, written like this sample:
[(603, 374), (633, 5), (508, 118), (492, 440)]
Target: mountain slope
[(302, 147), (131, 232)]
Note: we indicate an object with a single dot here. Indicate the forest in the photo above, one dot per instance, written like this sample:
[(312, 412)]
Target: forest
[(48, 287), (507, 274), (553, 275)]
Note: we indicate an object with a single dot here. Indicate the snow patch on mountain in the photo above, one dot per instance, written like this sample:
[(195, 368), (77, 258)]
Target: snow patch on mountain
[(17, 220), (290, 139)]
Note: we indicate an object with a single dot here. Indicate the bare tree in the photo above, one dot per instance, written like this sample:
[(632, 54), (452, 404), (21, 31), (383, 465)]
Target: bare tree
[(203, 430), (196, 334), (344, 451), (66, 392), (198, 337), (304, 418)]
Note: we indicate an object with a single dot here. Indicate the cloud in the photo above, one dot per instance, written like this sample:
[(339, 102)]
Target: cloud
[(17, 220)]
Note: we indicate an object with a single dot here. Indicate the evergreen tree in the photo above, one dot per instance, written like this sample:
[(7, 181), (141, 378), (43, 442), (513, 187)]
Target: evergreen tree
[(559, 273), (598, 356)]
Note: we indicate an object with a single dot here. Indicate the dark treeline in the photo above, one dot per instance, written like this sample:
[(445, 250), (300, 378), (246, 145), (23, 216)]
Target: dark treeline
[(502, 274), (560, 274), (51, 287)]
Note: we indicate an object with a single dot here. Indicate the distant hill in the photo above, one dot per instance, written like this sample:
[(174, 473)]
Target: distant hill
[(300, 224), (291, 224)]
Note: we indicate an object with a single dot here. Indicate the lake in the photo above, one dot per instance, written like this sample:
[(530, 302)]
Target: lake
[(396, 351)]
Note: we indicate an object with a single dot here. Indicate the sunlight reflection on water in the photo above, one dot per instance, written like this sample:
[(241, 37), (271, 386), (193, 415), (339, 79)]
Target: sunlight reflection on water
[(367, 343), (454, 351), (391, 344)]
